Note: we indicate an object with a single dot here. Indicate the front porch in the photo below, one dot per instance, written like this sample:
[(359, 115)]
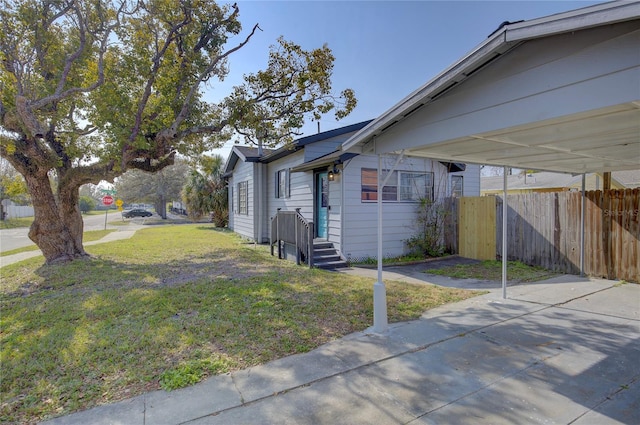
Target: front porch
[(294, 237)]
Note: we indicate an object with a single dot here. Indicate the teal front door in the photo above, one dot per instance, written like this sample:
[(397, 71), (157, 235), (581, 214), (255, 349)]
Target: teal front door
[(322, 205)]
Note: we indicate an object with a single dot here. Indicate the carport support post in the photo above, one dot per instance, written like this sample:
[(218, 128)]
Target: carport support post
[(582, 212), (504, 234), (380, 323)]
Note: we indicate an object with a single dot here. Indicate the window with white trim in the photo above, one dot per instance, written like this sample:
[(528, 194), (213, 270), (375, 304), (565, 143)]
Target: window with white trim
[(402, 186), (243, 198), (456, 186), (282, 183)]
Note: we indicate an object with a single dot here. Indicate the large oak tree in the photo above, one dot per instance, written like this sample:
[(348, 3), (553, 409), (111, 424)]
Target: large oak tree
[(92, 88)]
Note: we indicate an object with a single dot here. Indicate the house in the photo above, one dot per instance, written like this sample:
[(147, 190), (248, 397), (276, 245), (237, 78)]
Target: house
[(557, 93), (556, 182), (337, 192)]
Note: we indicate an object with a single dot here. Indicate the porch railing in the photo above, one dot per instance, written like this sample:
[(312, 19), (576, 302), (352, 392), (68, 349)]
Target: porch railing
[(292, 228)]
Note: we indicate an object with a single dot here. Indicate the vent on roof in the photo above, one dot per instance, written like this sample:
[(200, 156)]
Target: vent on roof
[(446, 89), (413, 110), (389, 126), (478, 68), (504, 24)]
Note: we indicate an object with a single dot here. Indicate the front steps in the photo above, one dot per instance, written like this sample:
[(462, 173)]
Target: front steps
[(325, 256)]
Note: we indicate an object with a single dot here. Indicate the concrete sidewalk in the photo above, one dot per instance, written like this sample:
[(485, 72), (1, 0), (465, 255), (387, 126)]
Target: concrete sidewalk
[(561, 351), (113, 236)]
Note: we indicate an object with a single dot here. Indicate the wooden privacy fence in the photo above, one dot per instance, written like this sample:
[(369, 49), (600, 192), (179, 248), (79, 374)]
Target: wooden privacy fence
[(544, 230), (477, 227)]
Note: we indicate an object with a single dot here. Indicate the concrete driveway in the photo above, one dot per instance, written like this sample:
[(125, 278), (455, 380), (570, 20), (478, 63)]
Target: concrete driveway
[(562, 351)]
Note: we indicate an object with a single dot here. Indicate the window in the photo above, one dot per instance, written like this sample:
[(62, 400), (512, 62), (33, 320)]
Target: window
[(282, 184), (243, 198), (402, 186), (456, 186), (369, 185), (414, 186)]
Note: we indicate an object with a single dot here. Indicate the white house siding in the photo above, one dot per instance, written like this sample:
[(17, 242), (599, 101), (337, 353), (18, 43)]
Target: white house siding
[(300, 188), (231, 198), (335, 212), (359, 230), (261, 201), (241, 223), (470, 184)]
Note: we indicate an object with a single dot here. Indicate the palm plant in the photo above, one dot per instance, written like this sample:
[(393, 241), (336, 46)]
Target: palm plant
[(206, 192)]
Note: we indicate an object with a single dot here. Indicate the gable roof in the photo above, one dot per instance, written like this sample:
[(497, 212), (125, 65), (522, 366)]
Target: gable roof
[(244, 153), (251, 154), (314, 138), (505, 39)]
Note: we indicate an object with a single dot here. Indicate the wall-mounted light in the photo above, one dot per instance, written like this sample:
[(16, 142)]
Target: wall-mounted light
[(333, 173)]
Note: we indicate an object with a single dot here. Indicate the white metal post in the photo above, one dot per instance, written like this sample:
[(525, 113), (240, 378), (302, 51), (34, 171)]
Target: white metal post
[(504, 234), (380, 323), (582, 212)]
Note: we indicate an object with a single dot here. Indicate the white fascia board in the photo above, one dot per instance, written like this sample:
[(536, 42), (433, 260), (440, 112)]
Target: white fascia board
[(579, 19)]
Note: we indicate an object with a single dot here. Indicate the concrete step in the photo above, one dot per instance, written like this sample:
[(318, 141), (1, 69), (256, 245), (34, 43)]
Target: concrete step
[(330, 265), (325, 256), (325, 251)]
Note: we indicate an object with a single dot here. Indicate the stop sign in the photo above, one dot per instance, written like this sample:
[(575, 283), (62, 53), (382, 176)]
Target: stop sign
[(107, 200)]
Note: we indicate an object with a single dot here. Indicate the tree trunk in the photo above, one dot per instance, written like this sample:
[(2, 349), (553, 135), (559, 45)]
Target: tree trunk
[(58, 226)]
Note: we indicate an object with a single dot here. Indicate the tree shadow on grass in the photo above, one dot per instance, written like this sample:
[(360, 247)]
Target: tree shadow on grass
[(102, 330)]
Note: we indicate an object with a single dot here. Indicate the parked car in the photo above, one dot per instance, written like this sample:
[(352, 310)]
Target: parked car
[(136, 212)]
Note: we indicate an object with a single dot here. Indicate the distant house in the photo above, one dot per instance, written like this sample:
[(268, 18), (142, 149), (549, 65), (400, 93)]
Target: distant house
[(337, 191), (556, 182)]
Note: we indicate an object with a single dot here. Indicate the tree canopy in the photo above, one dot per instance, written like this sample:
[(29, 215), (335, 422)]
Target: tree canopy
[(92, 88)]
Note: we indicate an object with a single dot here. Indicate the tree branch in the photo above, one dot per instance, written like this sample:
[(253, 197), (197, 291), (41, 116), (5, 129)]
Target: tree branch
[(184, 112), (204, 129), (157, 61)]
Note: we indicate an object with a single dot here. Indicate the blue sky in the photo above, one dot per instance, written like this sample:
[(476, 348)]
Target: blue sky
[(383, 49)]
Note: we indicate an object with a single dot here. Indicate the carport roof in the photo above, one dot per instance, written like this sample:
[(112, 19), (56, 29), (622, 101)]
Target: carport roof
[(604, 139)]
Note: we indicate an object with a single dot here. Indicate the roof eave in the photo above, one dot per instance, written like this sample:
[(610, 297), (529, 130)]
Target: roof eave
[(578, 19)]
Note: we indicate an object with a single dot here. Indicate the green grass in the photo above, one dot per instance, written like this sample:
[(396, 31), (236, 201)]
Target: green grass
[(492, 270), (167, 308), (89, 236), (13, 223)]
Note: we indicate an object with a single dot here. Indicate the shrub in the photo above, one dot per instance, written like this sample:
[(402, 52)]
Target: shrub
[(430, 223)]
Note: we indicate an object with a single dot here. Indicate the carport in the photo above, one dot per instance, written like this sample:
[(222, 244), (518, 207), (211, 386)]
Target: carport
[(559, 93)]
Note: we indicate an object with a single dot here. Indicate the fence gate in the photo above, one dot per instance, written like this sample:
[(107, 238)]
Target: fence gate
[(477, 227)]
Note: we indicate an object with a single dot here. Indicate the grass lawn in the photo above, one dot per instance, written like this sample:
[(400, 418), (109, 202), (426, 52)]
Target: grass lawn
[(12, 223), (165, 309), (492, 270)]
